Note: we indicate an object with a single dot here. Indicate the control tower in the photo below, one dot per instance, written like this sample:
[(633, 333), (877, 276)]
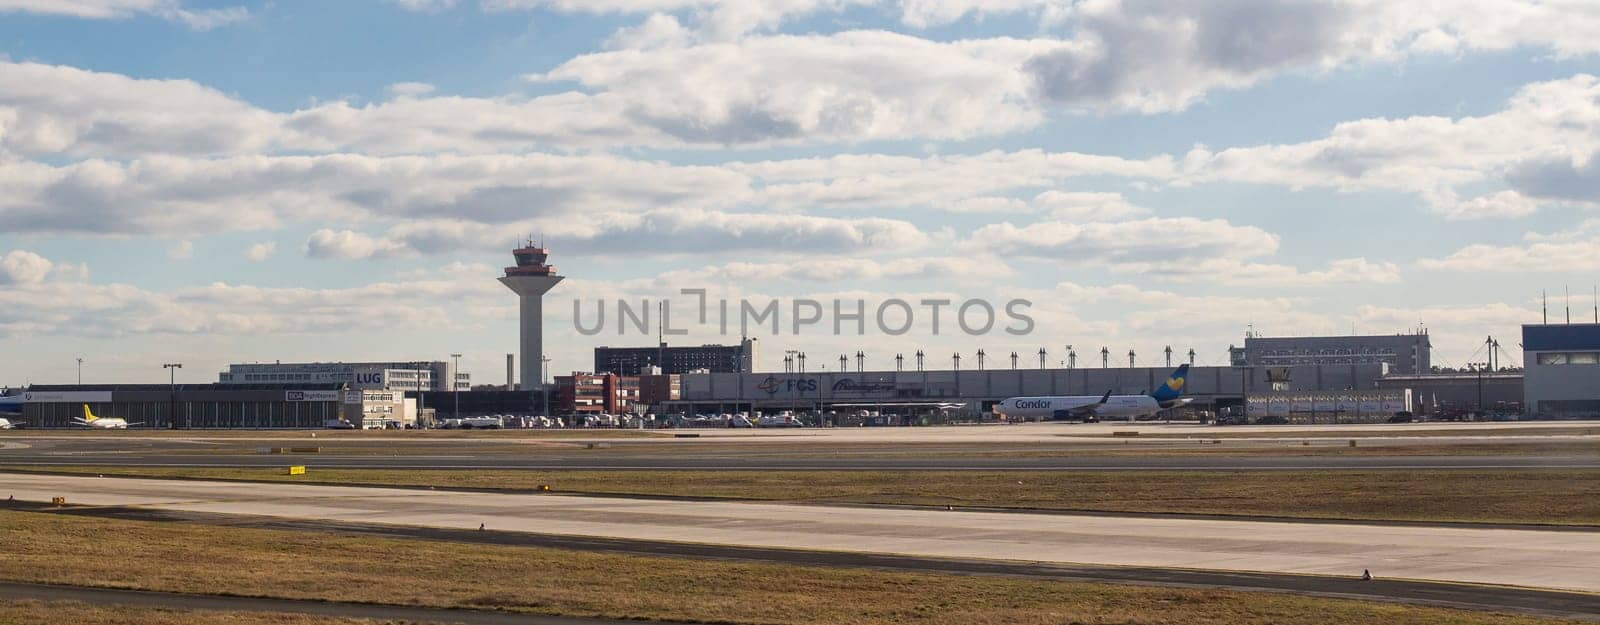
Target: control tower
[(530, 279)]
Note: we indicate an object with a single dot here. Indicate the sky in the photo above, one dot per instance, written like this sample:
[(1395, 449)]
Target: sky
[(210, 182)]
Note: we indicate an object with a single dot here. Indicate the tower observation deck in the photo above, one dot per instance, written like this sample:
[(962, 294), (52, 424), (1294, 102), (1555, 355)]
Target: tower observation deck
[(530, 279)]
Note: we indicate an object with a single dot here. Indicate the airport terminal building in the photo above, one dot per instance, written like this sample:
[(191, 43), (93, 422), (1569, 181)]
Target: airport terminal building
[(972, 393)]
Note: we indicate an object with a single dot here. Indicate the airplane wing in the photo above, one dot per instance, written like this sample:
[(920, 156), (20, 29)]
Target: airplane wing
[(1084, 411), (133, 423)]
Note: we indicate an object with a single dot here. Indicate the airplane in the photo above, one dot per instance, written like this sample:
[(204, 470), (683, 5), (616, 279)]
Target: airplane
[(10, 405), (105, 423), (1090, 408)]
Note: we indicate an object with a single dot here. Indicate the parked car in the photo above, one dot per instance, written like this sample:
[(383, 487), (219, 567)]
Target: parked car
[(1402, 417), (1272, 420)]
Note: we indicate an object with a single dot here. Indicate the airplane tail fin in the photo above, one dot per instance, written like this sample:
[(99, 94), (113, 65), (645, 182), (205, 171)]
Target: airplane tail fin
[(1173, 388), (88, 415)]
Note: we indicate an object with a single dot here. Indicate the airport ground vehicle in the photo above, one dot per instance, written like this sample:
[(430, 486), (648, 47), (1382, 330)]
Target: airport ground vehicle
[(778, 421)]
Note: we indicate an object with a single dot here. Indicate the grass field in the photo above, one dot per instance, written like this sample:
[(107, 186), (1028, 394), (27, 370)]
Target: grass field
[(228, 560), (1537, 496), (72, 613)]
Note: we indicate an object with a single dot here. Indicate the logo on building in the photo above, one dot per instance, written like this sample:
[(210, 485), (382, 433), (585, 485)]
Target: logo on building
[(847, 385), (772, 385)]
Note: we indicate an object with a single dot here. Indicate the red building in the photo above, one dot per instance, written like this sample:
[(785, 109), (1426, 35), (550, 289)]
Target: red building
[(612, 394), (586, 393)]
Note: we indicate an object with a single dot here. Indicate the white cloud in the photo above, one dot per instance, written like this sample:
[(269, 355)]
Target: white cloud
[(851, 86), (409, 89), (1545, 125), (173, 10), (979, 267), (181, 250), (260, 252), (347, 244), (52, 109), (1237, 273), (958, 183), (23, 267), (1577, 249), (656, 232), (184, 197), (1151, 244), (1086, 206)]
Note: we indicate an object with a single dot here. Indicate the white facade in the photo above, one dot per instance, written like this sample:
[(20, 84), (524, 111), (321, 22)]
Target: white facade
[(401, 376)]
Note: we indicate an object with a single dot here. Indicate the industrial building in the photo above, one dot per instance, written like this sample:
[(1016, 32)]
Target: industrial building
[(1561, 369), (739, 358), (391, 376), (1404, 353), (975, 392), (195, 405), (1472, 391)]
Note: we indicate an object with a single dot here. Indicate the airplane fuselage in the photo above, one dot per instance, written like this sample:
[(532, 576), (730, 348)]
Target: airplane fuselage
[(108, 423), (1065, 406)]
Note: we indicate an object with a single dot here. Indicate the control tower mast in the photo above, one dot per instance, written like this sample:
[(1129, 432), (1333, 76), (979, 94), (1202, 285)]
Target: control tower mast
[(530, 279)]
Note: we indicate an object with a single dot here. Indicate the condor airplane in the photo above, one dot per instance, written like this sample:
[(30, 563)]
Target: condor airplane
[(1093, 408), (105, 423)]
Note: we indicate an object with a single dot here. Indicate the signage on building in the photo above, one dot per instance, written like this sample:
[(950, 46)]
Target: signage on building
[(47, 397), (312, 396), (850, 386), (352, 397), (774, 385)]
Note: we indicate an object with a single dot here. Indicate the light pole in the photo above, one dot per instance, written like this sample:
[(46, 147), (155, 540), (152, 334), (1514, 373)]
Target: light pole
[(80, 371), (172, 381), (544, 384), (455, 392)]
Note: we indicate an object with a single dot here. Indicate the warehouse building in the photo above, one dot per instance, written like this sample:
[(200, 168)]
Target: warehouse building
[(391, 376), (164, 406)]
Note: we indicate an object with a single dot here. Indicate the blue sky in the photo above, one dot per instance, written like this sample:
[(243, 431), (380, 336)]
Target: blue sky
[(220, 182)]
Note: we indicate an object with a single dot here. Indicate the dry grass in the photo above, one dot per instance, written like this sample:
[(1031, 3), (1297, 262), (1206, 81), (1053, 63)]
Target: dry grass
[(222, 560), (1536, 496), (1387, 431), (73, 613)]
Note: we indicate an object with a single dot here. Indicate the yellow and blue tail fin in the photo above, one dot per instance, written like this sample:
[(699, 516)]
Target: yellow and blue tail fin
[(1173, 388)]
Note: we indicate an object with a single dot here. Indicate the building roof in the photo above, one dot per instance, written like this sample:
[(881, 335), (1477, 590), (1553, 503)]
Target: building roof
[(334, 386), (1542, 338)]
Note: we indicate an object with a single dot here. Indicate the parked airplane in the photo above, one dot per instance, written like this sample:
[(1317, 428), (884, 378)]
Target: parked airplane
[(7, 424), (105, 423), (1093, 408)]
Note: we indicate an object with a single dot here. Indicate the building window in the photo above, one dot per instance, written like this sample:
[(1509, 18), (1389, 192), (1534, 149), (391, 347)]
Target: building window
[(1569, 358)]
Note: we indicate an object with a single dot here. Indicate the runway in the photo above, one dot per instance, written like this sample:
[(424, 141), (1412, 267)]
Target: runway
[(1513, 557)]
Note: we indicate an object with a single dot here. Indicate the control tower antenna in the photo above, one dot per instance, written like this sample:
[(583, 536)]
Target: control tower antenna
[(530, 279)]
